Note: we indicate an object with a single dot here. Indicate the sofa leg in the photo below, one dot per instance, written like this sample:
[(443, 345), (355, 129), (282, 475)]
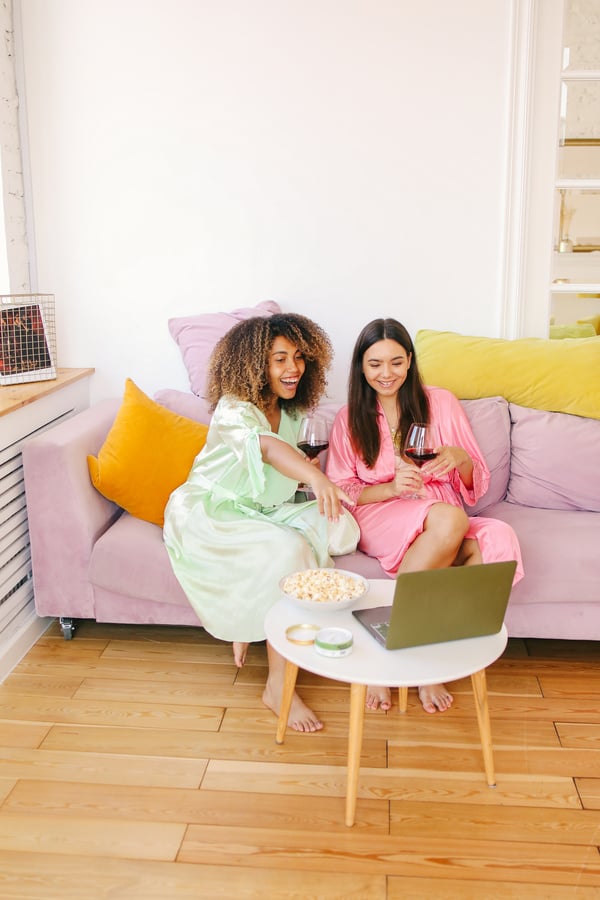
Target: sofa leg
[(67, 626)]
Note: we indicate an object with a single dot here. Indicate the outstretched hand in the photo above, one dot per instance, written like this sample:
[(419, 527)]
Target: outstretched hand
[(329, 496)]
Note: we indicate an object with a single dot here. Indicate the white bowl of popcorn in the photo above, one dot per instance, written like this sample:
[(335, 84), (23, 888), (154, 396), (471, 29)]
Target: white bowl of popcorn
[(324, 588)]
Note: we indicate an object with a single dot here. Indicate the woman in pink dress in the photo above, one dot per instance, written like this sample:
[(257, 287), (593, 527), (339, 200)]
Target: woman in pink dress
[(410, 518)]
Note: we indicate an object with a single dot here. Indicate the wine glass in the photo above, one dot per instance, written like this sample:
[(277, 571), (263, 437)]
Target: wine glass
[(313, 438), (421, 441)]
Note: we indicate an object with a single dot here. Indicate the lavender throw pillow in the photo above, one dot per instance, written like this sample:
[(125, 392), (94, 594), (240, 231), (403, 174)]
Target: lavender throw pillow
[(490, 420), (555, 460), (196, 337)]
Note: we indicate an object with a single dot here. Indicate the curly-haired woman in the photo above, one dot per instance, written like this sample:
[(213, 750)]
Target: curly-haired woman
[(232, 530)]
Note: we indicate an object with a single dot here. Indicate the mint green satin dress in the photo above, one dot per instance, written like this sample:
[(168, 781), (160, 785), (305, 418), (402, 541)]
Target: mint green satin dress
[(232, 529)]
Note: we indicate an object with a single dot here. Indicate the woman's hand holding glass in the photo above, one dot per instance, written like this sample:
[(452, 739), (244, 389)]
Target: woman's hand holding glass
[(408, 481), (422, 446)]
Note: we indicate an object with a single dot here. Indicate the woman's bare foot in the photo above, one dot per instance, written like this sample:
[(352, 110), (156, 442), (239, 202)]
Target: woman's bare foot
[(301, 717), (435, 697), (378, 698), (240, 650)]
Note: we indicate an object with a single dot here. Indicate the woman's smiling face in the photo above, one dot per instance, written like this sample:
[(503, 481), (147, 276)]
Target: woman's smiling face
[(385, 366), (285, 368)]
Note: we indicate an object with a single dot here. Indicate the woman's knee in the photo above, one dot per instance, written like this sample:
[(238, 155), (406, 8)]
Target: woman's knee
[(447, 521)]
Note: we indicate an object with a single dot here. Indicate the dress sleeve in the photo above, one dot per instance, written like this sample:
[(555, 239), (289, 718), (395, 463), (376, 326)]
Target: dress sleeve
[(341, 459), (237, 425), (455, 431)]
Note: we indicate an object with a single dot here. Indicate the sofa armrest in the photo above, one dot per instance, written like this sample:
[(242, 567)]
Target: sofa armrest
[(66, 513)]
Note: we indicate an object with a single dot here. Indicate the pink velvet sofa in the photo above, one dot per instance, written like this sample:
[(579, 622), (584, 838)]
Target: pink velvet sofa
[(91, 560)]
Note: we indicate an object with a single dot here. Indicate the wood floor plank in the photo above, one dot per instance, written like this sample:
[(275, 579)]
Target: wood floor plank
[(577, 685), (202, 807), (216, 652), (573, 709), (40, 876), (485, 860), (460, 889), (415, 728), (409, 818), (309, 749), (177, 690), (497, 683), (578, 735), (111, 838), (131, 669), (45, 684), (101, 768), (7, 786), (537, 667), (22, 734), (30, 708), (589, 791), (452, 787), (221, 695), (560, 761)]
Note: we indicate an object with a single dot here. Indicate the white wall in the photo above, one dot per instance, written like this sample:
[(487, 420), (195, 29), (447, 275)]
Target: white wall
[(345, 157)]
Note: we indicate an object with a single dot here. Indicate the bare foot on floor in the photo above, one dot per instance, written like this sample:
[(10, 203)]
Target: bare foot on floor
[(239, 653), (301, 717), (378, 698), (435, 697)]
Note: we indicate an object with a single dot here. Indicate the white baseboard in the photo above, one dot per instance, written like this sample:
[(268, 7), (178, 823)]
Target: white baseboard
[(16, 644)]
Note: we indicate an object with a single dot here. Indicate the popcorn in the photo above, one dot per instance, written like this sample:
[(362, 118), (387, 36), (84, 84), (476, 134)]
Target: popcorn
[(323, 586)]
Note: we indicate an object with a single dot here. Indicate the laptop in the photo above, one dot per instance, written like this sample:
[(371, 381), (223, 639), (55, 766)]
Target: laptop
[(442, 605)]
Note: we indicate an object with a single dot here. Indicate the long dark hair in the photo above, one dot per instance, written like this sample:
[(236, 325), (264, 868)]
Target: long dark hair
[(413, 405)]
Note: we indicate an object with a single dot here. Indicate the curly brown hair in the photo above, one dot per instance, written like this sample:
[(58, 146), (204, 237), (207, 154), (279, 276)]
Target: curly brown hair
[(239, 363)]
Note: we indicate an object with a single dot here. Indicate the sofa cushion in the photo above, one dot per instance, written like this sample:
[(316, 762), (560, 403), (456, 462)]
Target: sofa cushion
[(561, 376), (196, 337), (490, 420), (147, 453), (555, 460), (185, 404), (130, 559)]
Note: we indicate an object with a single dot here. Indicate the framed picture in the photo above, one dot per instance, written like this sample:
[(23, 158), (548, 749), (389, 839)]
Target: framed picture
[(27, 338)]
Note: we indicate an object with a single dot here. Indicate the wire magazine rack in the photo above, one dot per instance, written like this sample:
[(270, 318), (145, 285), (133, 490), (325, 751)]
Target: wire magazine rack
[(27, 338)]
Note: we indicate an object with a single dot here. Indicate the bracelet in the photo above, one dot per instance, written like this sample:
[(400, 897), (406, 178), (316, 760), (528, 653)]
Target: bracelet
[(302, 634)]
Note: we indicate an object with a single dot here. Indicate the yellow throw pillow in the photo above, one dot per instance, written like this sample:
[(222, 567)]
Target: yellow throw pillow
[(557, 376), (594, 321), (147, 453)]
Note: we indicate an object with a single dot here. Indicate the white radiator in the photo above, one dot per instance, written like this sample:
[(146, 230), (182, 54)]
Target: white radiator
[(16, 586)]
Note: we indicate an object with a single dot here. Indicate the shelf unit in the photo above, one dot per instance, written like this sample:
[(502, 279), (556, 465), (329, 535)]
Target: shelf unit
[(575, 274)]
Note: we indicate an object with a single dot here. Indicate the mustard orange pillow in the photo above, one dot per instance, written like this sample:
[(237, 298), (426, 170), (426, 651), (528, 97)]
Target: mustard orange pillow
[(147, 453)]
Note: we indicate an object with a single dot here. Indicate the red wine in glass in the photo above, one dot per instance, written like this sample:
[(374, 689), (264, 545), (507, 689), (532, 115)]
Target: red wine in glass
[(421, 441), (313, 438), (420, 457), (312, 450)]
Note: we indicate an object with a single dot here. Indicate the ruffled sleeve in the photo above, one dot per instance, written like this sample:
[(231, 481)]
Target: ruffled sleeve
[(455, 431), (232, 457)]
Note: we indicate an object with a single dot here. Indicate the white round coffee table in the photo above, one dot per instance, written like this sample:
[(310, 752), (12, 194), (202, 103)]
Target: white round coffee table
[(371, 664)]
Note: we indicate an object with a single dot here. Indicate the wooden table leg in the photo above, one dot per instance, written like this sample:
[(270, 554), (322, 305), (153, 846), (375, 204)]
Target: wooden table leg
[(289, 685), (483, 720), (402, 699), (358, 694)]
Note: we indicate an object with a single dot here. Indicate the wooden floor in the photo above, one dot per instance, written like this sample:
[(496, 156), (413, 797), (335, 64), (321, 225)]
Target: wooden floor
[(138, 762)]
